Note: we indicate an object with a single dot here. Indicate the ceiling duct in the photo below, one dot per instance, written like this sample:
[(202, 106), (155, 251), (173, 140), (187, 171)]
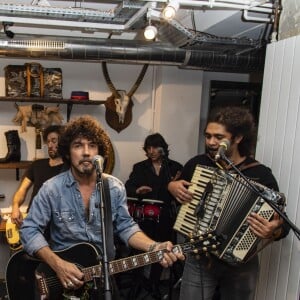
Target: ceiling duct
[(54, 48)]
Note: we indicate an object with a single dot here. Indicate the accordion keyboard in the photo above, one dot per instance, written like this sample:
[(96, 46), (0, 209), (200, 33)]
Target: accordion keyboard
[(186, 218)]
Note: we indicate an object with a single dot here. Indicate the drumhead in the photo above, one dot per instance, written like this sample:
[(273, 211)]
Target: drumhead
[(132, 199), (152, 201)]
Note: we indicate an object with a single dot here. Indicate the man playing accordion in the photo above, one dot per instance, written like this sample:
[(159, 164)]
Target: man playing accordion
[(203, 277)]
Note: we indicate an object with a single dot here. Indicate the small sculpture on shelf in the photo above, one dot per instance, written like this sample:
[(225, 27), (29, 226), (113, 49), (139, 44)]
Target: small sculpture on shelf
[(37, 115)]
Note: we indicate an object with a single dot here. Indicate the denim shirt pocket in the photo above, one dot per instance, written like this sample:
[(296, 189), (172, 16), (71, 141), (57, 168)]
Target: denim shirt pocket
[(66, 220)]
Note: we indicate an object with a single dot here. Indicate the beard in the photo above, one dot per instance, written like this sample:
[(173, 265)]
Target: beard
[(53, 154), (211, 152), (84, 168)]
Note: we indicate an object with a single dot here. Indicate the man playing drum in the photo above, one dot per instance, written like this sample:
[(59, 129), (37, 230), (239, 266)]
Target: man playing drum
[(153, 207)]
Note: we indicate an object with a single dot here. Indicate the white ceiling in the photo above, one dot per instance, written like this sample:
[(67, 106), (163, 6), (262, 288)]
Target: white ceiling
[(221, 18), (230, 28)]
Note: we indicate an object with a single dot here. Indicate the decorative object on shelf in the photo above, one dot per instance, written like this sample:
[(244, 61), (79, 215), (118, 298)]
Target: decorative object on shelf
[(53, 116), (68, 102), (37, 115), (118, 106), (32, 80), (80, 95), (13, 147)]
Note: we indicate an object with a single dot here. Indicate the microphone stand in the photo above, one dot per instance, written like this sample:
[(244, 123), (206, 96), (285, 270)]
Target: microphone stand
[(165, 163), (260, 194), (103, 218)]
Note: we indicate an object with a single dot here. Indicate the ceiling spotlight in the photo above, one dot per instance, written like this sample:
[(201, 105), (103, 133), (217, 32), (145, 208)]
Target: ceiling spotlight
[(150, 32), (8, 33), (170, 10)]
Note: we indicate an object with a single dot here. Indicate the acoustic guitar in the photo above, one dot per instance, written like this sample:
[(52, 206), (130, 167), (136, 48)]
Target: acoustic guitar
[(27, 277)]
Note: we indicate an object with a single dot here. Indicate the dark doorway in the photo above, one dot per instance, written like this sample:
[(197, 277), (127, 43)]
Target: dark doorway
[(228, 93)]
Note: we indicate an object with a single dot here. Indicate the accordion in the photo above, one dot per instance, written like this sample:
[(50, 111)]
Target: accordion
[(221, 203)]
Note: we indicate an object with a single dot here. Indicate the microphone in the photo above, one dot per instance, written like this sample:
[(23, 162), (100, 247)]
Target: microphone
[(223, 147), (98, 161)]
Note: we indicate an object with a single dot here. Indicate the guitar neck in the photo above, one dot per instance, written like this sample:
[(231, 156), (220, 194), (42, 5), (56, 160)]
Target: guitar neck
[(132, 262)]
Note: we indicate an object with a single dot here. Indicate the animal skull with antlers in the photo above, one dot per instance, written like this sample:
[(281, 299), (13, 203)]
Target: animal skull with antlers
[(118, 106)]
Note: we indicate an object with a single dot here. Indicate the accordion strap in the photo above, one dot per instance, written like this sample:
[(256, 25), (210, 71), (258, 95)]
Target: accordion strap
[(243, 166), (248, 166)]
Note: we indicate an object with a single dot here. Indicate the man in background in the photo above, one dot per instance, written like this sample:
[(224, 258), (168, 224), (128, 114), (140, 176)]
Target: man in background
[(149, 180), (38, 172)]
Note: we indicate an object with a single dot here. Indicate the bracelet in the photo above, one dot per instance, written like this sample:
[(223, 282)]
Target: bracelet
[(152, 246), (277, 233)]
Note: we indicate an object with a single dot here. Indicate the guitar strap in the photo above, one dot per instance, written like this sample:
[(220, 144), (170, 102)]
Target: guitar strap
[(108, 219)]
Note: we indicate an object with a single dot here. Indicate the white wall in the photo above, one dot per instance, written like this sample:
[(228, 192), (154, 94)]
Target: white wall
[(279, 147)]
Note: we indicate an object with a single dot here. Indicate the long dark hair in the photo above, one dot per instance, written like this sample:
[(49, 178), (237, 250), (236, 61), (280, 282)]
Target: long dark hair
[(156, 140)]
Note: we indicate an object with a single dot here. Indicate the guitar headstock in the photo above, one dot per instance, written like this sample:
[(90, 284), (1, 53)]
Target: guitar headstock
[(203, 243)]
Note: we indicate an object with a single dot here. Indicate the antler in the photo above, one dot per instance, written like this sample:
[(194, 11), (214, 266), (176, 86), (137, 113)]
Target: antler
[(108, 81), (138, 81)]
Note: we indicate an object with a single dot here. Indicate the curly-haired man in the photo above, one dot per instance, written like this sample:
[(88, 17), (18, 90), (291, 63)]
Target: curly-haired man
[(70, 203), (202, 277)]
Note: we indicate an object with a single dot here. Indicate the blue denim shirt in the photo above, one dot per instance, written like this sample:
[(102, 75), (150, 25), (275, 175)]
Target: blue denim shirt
[(59, 203)]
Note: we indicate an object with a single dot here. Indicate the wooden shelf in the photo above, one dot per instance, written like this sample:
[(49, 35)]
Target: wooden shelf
[(24, 164), (69, 102), (16, 165)]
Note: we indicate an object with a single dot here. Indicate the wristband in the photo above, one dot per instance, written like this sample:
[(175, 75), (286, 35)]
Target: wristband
[(152, 246)]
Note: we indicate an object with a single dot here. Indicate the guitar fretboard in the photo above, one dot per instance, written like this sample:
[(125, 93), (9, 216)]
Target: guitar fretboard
[(129, 263)]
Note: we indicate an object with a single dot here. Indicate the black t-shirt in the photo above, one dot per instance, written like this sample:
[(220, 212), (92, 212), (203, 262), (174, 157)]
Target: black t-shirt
[(143, 173), (39, 172), (259, 172)]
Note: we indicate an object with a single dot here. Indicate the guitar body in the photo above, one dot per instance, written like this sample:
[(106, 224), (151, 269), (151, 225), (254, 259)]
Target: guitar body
[(20, 278), (23, 274)]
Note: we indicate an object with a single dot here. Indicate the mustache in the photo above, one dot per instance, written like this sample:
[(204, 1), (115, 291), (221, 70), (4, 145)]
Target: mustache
[(84, 160)]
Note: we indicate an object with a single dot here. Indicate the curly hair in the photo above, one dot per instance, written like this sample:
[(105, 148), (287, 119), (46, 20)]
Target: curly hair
[(85, 127), (156, 140), (239, 122), (52, 128)]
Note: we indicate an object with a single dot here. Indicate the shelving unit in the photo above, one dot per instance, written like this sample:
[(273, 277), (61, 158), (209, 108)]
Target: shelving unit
[(68, 102), (16, 165)]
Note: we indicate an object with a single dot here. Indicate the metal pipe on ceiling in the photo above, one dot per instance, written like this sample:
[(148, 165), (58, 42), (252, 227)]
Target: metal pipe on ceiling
[(130, 52)]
